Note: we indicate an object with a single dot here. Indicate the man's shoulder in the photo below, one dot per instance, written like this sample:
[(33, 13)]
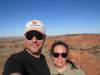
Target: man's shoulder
[(16, 56)]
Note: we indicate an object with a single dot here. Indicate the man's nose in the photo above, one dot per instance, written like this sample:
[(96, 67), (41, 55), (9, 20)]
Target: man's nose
[(34, 39)]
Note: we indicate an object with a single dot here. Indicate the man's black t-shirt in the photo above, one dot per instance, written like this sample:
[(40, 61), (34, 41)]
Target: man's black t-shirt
[(26, 64)]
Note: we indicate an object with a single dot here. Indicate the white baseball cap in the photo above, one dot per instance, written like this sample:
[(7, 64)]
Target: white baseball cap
[(34, 25)]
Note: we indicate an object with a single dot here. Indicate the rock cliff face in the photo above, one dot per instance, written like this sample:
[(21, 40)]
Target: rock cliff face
[(84, 50)]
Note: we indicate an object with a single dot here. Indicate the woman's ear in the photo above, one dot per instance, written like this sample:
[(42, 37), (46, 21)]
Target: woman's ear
[(51, 56)]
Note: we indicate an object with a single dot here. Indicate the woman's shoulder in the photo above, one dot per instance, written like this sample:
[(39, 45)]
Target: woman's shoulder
[(77, 70)]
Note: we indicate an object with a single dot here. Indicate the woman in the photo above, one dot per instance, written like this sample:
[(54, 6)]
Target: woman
[(61, 65)]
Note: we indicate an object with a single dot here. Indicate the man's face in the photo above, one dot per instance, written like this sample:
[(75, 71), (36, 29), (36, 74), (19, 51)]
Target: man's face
[(34, 41)]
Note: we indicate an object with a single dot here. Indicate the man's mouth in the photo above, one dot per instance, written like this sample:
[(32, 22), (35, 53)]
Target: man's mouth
[(34, 46)]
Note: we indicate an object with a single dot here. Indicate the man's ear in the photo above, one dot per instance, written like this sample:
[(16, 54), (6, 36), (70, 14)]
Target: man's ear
[(44, 37)]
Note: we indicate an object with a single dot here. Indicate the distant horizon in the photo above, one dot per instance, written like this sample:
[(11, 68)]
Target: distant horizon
[(54, 35)]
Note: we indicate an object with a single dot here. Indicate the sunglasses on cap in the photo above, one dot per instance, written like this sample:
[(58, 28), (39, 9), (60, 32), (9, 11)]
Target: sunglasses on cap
[(29, 35), (64, 55)]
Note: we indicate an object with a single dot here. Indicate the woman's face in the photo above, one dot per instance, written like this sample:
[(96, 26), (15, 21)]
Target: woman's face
[(59, 56)]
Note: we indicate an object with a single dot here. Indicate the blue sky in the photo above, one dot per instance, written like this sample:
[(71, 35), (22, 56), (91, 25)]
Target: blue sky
[(59, 16)]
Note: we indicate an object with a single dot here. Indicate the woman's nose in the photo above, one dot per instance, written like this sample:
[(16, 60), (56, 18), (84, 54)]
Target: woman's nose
[(60, 57)]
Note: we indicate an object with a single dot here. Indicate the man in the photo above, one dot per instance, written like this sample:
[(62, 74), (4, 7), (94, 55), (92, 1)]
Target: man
[(30, 61)]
